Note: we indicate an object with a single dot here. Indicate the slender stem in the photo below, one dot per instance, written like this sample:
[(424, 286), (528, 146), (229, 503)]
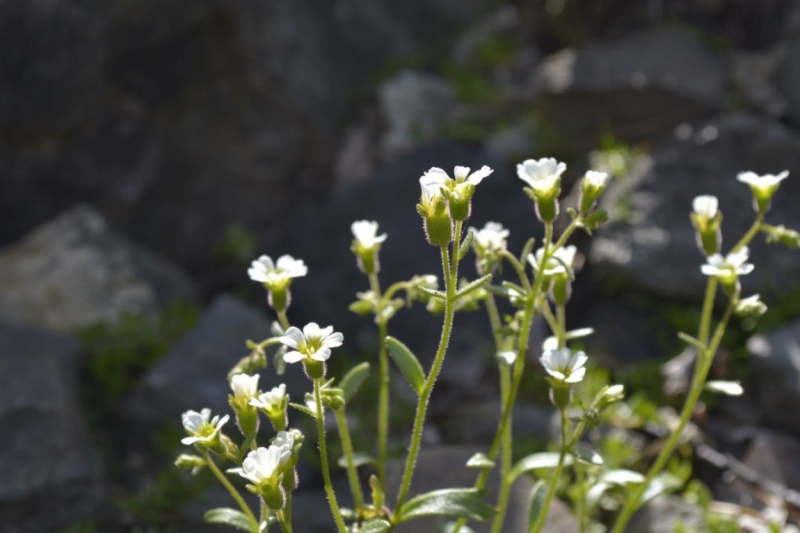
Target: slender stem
[(561, 318), (232, 490), (284, 320), (551, 490), (451, 280), (323, 455), (505, 455), (384, 377), (392, 290), (519, 267), (286, 526), (580, 502), (287, 509), (544, 309), (352, 474), (752, 232)]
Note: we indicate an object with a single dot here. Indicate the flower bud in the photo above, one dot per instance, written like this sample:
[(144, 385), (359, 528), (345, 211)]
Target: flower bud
[(591, 187), (782, 234), (433, 208), (274, 498), (707, 218), (610, 394), (751, 306), (561, 289), (459, 201), (332, 398), (192, 462), (366, 245)]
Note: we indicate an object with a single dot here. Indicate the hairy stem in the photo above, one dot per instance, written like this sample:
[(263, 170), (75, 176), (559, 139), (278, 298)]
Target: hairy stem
[(232, 490), (551, 489), (383, 391), (352, 473), (323, 455)]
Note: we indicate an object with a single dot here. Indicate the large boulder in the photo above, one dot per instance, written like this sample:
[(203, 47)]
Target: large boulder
[(639, 86), (75, 272), (650, 242), (51, 476)]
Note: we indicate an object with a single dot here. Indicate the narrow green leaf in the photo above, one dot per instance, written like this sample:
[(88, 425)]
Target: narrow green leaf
[(359, 459), (407, 362), (578, 333), (527, 250), (353, 380), (453, 503), (500, 291), (376, 525), (515, 289), (304, 409), (688, 339), (567, 268), (465, 244), (468, 288), (622, 477), (479, 461), (731, 388), (433, 293), (536, 502), (535, 462), (230, 517), (587, 456)]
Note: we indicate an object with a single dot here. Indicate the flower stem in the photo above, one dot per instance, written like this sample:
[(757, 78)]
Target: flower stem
[(352, 474), (551, 490), (286, 526), (232, 490), (451, 281), (752, 232), (323, 455), (383, 391), (283, 319)]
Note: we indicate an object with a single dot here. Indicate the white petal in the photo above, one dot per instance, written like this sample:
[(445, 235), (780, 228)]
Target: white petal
[(324, 332), (293, 338), (576, 376), (460, 173), (311, 330), (709, 270), (478, 175), (333, 341), (293, 357), (436, 175), (323, 354)]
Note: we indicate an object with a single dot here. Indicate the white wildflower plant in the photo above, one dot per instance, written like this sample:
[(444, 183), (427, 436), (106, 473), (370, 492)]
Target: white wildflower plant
[(513, 296)]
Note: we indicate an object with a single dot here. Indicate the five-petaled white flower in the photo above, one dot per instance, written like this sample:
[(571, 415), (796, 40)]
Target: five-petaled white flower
[(271, 400), (366, 235), (767, 182), (437, 176), (244, 387), (542, 175), (311, 343), (566, 255), (277, 275), (563, 365), (730, 267), (201, 427), (261, 465), (491, 238), (706, 205)]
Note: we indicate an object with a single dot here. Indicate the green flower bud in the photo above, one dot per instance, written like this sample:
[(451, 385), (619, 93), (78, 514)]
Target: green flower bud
[(707, 220), (366, 245), (591, 187)]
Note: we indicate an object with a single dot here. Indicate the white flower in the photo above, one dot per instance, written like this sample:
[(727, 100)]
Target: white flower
[(491, 238), (706, 205), (542, 175), (278, 275), (285, 442), (507, 357), (751, 305), (563, 365), (261, 465), (595, 179), (311, 343), (365, 233), (566, 254), (439, 177), (270, 400), (763, 183), (201, 427), (733, 265), (244, 387)]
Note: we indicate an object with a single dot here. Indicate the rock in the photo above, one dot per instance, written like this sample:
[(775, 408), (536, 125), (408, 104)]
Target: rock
[(640, 86), (650, 242), (193, 375), (787, 78), (414, 105), (663, 513), (75, 272), (752, 72), (509, 144), (678, 372), (444, 467), (476, 423), (46, 453), (776, 375)]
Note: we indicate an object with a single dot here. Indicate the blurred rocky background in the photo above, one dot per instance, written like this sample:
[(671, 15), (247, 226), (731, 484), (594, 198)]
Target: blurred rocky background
[(150, 150)]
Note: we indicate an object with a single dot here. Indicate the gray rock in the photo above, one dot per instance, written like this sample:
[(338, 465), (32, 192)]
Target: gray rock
[(776, 373), (663, 513), (193, 375), (787, 79), (752, 72), (678, 372), (46, 454), (75, 272), (476, 423), (444, 467), (641, 85), (650, 242)]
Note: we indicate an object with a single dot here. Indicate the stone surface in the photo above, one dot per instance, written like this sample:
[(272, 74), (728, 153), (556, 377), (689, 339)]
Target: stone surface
[(476, 423), (663, 513), (51, 476), (650, 242), (75, 272), (642, 85), (787, 79), (193, 375), (444, 467), (776, 375)]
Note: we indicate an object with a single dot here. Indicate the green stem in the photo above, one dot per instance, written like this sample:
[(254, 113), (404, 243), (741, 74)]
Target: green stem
[(232, 490), (519, 267), (287, 509), (286, 526), (751, 233), (323, 455), (561, 320), (284, 320), (352, 473), (384, 377), (551, 490), (580, 502), (451, 281)]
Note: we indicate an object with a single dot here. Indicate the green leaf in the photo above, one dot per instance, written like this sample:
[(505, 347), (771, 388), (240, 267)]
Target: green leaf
[(731, 388), (578, 333), (376, 525), (430, 292), (662, 483), (465, 244), (468, 288), (587, 456), (453, 503), (567, 267), (594, 220), (304, 409), (407, 362), (536, 502), (353, 380), (230, 517), (359, 459), (479, 461), (535, 462), (622, 477), (526, 250), (688, 339)]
